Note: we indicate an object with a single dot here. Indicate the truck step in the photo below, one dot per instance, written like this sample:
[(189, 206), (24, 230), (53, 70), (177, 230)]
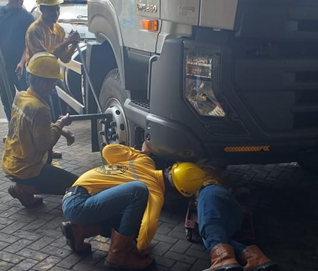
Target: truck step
[(143, 105)]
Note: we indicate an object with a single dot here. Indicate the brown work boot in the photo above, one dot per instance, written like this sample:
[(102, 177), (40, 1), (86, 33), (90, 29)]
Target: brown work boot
[(25, 194), (223, 259), (124, 256), (56, 155), (255, 260), (75, 235)]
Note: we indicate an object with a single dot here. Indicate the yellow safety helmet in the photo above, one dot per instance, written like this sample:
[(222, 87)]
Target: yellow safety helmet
[(186, 177), (44, 65), (49, 2)]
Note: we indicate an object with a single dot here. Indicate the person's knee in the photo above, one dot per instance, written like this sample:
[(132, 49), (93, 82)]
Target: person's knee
[(142, 190)]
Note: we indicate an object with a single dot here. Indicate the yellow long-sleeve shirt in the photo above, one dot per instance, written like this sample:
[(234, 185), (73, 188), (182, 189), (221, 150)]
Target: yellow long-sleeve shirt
[(31, 134), (125, 164)]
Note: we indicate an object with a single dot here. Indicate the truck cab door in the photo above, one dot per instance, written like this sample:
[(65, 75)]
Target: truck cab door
[(134, 15)]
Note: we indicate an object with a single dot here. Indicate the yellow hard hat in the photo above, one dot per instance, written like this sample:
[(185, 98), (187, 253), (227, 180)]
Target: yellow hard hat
[(49, 2), (187, 178), (44, 65)]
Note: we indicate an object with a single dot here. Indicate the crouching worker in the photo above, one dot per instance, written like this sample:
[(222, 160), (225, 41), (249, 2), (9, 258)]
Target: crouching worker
[(121, 200), (31, 134), (113, 201), (219, 218)]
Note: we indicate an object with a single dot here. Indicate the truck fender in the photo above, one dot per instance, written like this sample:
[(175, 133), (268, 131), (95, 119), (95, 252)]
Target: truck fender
[(103, 22)]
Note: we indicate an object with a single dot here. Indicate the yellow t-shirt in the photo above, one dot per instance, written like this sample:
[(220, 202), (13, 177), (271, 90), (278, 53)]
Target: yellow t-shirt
[(125, 164), (41, 38), (31, 134)]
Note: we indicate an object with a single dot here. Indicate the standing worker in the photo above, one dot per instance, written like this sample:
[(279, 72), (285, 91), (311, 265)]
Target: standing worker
[(219, 218), (14, 22), (46, 35), (31, 135)]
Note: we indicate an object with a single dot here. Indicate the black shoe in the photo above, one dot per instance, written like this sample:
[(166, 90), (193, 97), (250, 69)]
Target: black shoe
[(56, 155), (35, 202)]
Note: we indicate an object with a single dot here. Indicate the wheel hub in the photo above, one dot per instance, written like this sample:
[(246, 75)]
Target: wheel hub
[(115, 129)]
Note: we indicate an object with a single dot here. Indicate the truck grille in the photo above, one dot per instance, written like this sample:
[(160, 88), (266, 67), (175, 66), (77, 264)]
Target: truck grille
[(280, 93)]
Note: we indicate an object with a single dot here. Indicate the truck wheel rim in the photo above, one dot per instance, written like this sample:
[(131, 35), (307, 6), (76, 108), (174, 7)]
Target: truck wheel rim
[(115, 129)]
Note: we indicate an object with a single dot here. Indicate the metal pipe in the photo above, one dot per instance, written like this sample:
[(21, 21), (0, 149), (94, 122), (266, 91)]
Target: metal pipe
[(89, 116), (88, 79)]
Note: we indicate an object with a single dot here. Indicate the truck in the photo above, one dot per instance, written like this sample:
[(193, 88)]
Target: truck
[(233, 81)]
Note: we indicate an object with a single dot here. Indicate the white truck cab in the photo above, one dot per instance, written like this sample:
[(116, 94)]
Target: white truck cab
[(231, 80)]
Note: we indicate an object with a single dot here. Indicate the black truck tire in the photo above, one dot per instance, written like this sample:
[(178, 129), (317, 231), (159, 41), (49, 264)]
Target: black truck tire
[(112, 98)]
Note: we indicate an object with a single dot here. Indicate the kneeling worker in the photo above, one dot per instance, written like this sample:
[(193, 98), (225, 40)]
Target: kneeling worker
[(31, 135)]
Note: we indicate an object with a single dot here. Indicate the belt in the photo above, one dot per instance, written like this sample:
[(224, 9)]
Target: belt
[(73, 191)]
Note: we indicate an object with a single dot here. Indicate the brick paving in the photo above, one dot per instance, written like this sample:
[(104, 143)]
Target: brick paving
[(282, 196)]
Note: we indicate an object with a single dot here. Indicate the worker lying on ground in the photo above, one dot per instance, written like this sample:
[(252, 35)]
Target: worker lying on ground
[(113, 201), (31, 134), (219, 218)]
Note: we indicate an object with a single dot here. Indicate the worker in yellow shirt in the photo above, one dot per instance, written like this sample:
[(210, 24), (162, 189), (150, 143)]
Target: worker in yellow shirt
[(31, 135), (121, 200), (46, 35)]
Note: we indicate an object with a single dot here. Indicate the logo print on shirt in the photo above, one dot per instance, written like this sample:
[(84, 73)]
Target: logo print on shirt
[(115, 169)]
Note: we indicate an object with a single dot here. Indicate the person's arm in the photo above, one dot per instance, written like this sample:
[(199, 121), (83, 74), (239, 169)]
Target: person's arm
[(150, 220), (20, 65), (144, 149), (115, 153), (45, 133), (64, 52), (68, 53)]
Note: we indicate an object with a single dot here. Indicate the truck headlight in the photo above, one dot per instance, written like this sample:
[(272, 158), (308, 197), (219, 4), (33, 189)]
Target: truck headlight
[(198, 88)]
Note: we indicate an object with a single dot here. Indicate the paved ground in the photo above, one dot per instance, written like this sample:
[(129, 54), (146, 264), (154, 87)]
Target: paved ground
[(283, 198)]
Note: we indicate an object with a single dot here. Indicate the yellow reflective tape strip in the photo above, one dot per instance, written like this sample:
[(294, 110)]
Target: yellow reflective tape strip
[(247, 149)]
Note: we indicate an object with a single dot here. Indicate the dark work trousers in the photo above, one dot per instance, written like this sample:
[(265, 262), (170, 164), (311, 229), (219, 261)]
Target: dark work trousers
[(51, 180), (13, 82)]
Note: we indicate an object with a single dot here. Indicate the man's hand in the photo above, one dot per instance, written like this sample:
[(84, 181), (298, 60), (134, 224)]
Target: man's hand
[(19, 70), (66, 120), (70, 138), (144, 149), (73, 38)]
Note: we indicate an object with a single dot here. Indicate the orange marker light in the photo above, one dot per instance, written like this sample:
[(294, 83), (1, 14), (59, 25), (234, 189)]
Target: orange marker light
[(151, 25)]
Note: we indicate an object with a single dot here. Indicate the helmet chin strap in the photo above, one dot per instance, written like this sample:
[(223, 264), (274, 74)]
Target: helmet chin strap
[(169, 177)]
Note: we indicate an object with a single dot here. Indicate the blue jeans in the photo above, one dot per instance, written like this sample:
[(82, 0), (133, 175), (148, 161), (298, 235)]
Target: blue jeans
[(219, 217), (121, 207)]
